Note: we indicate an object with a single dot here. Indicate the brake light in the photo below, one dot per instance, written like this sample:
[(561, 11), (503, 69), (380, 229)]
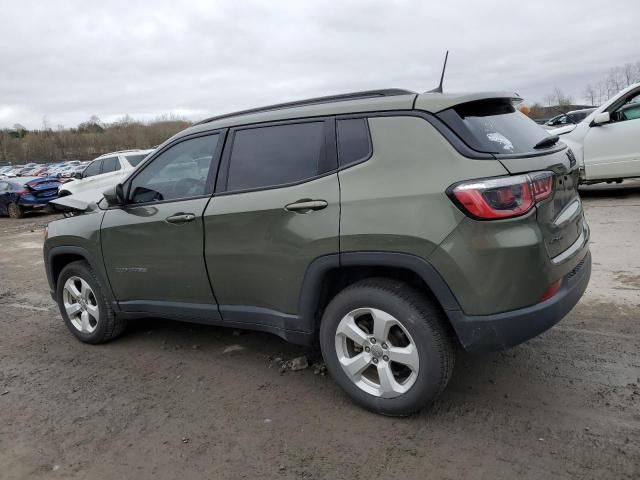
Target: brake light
[(502, 197)]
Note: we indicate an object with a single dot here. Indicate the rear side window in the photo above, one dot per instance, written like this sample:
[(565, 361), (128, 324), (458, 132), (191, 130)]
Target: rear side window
[(353, 140), (110, 164), (276, 155), (494, 126), (134, 160), (92, 169)]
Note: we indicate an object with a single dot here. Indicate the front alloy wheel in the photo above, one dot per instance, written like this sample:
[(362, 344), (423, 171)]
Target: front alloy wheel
[(84, 305), (81, 305)]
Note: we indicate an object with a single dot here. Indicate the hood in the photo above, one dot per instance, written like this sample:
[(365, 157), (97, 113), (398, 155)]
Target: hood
[(562, 130), (72, 203)]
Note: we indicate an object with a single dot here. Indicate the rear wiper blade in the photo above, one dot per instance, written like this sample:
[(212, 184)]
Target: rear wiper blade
[(547, 142)]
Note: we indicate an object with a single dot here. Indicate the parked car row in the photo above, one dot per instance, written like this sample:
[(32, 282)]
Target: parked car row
[(66, 169), (17, 182)]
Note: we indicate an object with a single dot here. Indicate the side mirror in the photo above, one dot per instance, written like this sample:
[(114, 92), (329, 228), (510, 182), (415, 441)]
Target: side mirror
[(601, 119), (114, 196), (77, 175)]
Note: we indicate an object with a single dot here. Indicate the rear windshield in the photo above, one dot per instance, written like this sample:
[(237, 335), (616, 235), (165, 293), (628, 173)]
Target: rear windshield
[(494, 126), (134, 160)]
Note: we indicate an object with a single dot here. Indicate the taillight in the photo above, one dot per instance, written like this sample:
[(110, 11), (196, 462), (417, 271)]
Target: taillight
[(22, 192), (502, 197)]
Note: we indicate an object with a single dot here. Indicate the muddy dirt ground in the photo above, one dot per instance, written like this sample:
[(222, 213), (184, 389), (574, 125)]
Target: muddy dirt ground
[(172, 400)]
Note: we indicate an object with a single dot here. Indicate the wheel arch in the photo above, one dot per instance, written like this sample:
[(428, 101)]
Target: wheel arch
[(59, 257), (327, 275)]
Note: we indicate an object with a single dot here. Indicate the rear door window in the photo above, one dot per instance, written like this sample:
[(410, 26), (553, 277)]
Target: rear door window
[(110, 164), (354, 144), (134, 160), (494, 126), (276, 155)]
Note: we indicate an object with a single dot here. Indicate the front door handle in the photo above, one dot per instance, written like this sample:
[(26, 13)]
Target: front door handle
[(181, 218), (306, 206)]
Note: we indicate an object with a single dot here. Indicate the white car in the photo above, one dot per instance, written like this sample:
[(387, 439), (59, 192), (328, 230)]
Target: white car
[(104, 172), (607, 142)]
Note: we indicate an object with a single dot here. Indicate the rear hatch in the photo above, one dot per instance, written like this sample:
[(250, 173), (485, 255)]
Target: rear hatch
[(495, 126), (44, 189)]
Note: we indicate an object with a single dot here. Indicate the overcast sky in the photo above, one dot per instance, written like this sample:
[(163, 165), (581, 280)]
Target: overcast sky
[(68, 60)]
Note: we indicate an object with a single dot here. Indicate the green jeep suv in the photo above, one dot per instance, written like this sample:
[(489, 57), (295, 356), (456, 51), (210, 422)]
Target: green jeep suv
[(391, 227)]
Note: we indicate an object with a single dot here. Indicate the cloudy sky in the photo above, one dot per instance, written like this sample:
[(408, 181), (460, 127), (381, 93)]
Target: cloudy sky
[(64, 61)]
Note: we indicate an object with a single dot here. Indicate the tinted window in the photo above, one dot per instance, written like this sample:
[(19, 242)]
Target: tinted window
[(92, 169), (494, 126), (276, 155), (110, 164), (134, 160), (179, 172), (353, 140)]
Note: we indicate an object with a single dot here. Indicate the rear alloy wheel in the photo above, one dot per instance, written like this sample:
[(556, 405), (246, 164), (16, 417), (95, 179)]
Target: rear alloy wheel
[(384, 363), (15, 210), (387, 346)]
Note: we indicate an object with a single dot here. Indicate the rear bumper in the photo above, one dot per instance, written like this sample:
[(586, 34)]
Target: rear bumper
[(504, 330), (29, 202)]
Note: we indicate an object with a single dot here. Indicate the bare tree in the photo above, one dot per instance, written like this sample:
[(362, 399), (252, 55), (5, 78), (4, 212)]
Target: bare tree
[(628, 73), (549, 100), (590, 94)]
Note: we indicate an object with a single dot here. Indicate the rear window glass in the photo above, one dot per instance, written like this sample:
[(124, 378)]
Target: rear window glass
[(494, 126), (353, 140), (134, 160)]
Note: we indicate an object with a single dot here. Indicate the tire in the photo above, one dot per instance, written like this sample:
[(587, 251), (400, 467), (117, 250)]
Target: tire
[(414, 320), (15, 210), (94, 330)]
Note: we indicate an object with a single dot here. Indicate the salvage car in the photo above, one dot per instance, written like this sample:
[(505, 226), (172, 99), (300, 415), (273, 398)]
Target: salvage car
[(388, 226), (607, 142), (103, 172), (570, 118), (26, 194)]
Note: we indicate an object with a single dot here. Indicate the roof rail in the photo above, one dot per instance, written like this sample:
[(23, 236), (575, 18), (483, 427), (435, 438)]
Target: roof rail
[(121, 151), (388, 92)]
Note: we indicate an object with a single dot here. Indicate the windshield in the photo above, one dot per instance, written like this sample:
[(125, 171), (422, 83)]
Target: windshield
[(494, 126), (134, 160)]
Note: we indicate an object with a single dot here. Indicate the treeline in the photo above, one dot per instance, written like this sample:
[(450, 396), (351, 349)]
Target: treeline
[(597, 93), (594, 94), (89, 140)]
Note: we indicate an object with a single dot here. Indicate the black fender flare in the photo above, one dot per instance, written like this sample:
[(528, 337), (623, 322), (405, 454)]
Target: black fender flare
[(54, 252), (314, 276)]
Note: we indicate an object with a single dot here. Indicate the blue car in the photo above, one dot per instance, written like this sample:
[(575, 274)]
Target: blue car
[(23, 194)]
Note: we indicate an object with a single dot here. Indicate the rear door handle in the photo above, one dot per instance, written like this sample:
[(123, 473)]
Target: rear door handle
[(306, 206), (181, 218)]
